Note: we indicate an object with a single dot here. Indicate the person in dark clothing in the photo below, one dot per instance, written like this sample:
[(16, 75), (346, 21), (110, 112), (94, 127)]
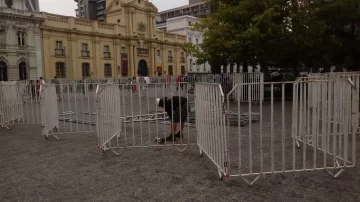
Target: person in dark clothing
[(176, 108)]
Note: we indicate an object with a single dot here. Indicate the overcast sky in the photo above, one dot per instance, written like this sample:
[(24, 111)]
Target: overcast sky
[(67, 7)]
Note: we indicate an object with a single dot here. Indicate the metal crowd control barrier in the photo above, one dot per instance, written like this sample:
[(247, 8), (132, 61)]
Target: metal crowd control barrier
[(354, 77), (49, 110), (245, 95), (325, 124), (142, 121), (210, 124), (108, 105), (289, 137), (11, 108)]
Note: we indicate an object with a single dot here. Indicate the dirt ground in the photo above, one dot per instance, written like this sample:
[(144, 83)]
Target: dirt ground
[(72, 169)]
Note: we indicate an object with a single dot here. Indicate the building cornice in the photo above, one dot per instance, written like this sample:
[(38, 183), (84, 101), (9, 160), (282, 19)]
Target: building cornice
[(109, 36), (11, 16)]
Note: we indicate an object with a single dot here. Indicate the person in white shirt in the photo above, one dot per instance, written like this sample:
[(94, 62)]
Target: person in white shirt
[(42, 81)]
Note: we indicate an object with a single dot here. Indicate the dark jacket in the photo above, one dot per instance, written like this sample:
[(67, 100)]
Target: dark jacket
[(175, 101)]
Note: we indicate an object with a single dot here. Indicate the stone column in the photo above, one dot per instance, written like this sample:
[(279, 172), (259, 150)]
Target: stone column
[(154, 61), (133, 23), (38, 50)]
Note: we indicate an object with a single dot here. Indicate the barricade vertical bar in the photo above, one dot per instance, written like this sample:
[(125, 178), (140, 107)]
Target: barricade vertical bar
[(294, 119), (314, 120), (62, 100), (163, 96), (335, 123), (250, 129), (188, 111), (346, 124), (148, 110), (156, 109), (282, 126), (88, 109), (239, 132), (132, 114), (261, 130), (272, 128), (124, 111), (301, 125)]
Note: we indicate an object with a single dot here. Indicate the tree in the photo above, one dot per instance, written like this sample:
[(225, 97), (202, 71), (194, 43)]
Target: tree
[(284, 33)]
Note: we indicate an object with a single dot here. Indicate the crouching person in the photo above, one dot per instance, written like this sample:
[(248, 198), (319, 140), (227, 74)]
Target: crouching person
[(176, 108)]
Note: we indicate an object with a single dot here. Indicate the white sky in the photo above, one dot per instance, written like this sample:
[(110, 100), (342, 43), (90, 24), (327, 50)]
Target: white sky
[(67, 7)]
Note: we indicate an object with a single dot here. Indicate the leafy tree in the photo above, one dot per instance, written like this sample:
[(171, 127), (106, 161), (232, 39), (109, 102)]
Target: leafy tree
[(283, 33)]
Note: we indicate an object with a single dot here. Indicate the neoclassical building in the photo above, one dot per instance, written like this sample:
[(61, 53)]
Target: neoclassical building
[(20, 41), (126, 45)]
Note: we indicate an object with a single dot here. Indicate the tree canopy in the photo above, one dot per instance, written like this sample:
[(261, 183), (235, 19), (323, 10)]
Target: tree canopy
[(281, 33)]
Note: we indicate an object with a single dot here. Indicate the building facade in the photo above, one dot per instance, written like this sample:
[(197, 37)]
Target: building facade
[(182, 25), (20, 42), (91, 9), (199, 10), (127, 45)]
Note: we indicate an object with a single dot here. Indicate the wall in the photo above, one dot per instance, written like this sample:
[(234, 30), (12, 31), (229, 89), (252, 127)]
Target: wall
[(182, 25), (11, 53), (135, 29)]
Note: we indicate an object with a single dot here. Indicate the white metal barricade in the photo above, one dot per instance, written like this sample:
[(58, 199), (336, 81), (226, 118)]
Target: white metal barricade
[(108, 112), (256, 94), (11, 108), (49, 110), (353, 77), (210, 124), (290, 135), (325, 123)]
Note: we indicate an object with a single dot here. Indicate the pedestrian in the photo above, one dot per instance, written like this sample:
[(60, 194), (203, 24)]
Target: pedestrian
[(42, 81), (134, 85), (57, 87), (38, 90), (176, 108)]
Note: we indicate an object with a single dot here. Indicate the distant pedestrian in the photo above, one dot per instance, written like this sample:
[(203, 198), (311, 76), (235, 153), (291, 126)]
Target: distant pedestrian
[(37, 90), (57, 87), (42, 81)]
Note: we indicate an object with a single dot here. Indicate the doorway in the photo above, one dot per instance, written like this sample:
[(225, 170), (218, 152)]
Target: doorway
[(142, 69), (3, 71)]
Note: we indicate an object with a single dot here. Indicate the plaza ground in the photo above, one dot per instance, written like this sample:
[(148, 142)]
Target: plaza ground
[(72, 169)]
